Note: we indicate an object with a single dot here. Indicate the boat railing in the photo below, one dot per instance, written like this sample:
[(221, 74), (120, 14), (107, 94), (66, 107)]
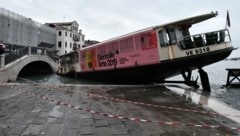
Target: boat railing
[(204, 39)]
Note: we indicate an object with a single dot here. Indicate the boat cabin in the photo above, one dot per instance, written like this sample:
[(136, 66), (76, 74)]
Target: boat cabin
[(175, 38)]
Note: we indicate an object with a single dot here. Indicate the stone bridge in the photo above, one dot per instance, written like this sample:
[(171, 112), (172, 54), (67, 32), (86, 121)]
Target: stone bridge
[(30, 62)]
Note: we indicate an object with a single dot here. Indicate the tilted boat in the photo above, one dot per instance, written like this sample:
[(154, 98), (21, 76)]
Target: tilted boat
[(151, 55)]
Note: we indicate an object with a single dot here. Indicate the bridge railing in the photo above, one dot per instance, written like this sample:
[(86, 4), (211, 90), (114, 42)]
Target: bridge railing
[(41, 51), (10, 57), (16, 54)]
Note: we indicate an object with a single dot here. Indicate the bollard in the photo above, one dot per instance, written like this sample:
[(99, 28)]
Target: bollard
[(29, 50), (2, 61), (45, 52)]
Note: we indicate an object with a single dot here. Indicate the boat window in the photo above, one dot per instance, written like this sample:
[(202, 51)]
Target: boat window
[(113, 47), (138, 42), (172, 36), (161, 38), (146, 40), (167, 37), (126, 45), (185, 31), (179, 33), (101, 49)]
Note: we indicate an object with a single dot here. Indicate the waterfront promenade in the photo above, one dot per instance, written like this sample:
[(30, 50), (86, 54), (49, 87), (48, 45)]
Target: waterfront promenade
[(103, 110)]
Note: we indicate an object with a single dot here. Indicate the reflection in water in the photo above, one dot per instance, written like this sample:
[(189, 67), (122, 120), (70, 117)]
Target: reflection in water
[(204, 97), (206, 100), (56, 79)]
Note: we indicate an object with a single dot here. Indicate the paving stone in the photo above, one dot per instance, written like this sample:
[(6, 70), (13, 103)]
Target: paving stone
[(19, 114), (86, 122), (16, 130), (118, 130), (70, 132), (153, 128), (54, 120), (112, 121), (132, 125), (73, 116), (1, 132), (52, 130), (87, 130), (47, 108), (72, 124), (101, 123), (139, 132), (104, 131), (99, 117), (39, 120), (86, 116), (43, 114), (12, 120), (33, 130), (31, 115)]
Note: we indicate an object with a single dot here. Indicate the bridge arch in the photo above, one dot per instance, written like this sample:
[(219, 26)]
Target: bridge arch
[(29, 63), (36, 67)]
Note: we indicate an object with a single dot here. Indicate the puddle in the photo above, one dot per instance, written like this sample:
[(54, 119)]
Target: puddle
[(55, 114), (205, 99)]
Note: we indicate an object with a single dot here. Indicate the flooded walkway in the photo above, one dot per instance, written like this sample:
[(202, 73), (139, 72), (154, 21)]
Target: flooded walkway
[(102, 110)]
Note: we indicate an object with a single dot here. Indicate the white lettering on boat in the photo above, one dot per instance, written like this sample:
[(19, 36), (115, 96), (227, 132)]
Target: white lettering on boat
[(198, 51)]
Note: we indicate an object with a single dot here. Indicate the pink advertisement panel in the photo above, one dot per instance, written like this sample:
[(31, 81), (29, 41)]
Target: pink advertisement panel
[(109, 56)]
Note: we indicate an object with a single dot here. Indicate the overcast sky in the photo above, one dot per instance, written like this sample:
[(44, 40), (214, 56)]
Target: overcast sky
[(104, 19)]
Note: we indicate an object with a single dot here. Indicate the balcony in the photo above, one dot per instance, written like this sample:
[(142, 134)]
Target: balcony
[(76, 39)]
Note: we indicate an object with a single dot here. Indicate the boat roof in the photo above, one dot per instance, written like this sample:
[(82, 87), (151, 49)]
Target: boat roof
[(190, 21), (184, 22)]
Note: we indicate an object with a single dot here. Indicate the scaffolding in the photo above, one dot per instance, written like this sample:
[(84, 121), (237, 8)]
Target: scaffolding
[(18, 30)]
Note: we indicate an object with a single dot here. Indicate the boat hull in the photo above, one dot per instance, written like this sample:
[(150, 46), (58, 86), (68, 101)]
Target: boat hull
[(155, 72)]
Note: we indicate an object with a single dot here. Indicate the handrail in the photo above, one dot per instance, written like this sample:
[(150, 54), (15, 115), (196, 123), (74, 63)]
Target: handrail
[(204, 39)]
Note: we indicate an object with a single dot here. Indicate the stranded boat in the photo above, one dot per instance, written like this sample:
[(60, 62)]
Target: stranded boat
[(150, 55)]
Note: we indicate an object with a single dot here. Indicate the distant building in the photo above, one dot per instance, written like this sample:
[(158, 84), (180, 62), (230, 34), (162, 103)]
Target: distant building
[(89, 43), (17, 30), (69, 37)]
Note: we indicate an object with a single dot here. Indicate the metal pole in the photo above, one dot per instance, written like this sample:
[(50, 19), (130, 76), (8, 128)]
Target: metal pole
[(205, 80)]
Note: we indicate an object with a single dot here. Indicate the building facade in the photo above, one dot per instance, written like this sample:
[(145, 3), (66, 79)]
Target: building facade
[(69, 37), (17, 30)]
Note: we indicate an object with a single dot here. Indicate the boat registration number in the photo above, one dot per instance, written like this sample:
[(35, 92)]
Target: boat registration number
[(198, 51)]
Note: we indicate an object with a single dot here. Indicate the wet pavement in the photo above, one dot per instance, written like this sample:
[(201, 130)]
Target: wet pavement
[(84, 110)]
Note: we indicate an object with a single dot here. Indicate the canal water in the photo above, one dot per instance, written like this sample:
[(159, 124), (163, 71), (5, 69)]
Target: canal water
[(221, 99)]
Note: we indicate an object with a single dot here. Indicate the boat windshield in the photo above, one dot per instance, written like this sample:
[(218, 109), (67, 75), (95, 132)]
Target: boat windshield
[(170, 36)]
